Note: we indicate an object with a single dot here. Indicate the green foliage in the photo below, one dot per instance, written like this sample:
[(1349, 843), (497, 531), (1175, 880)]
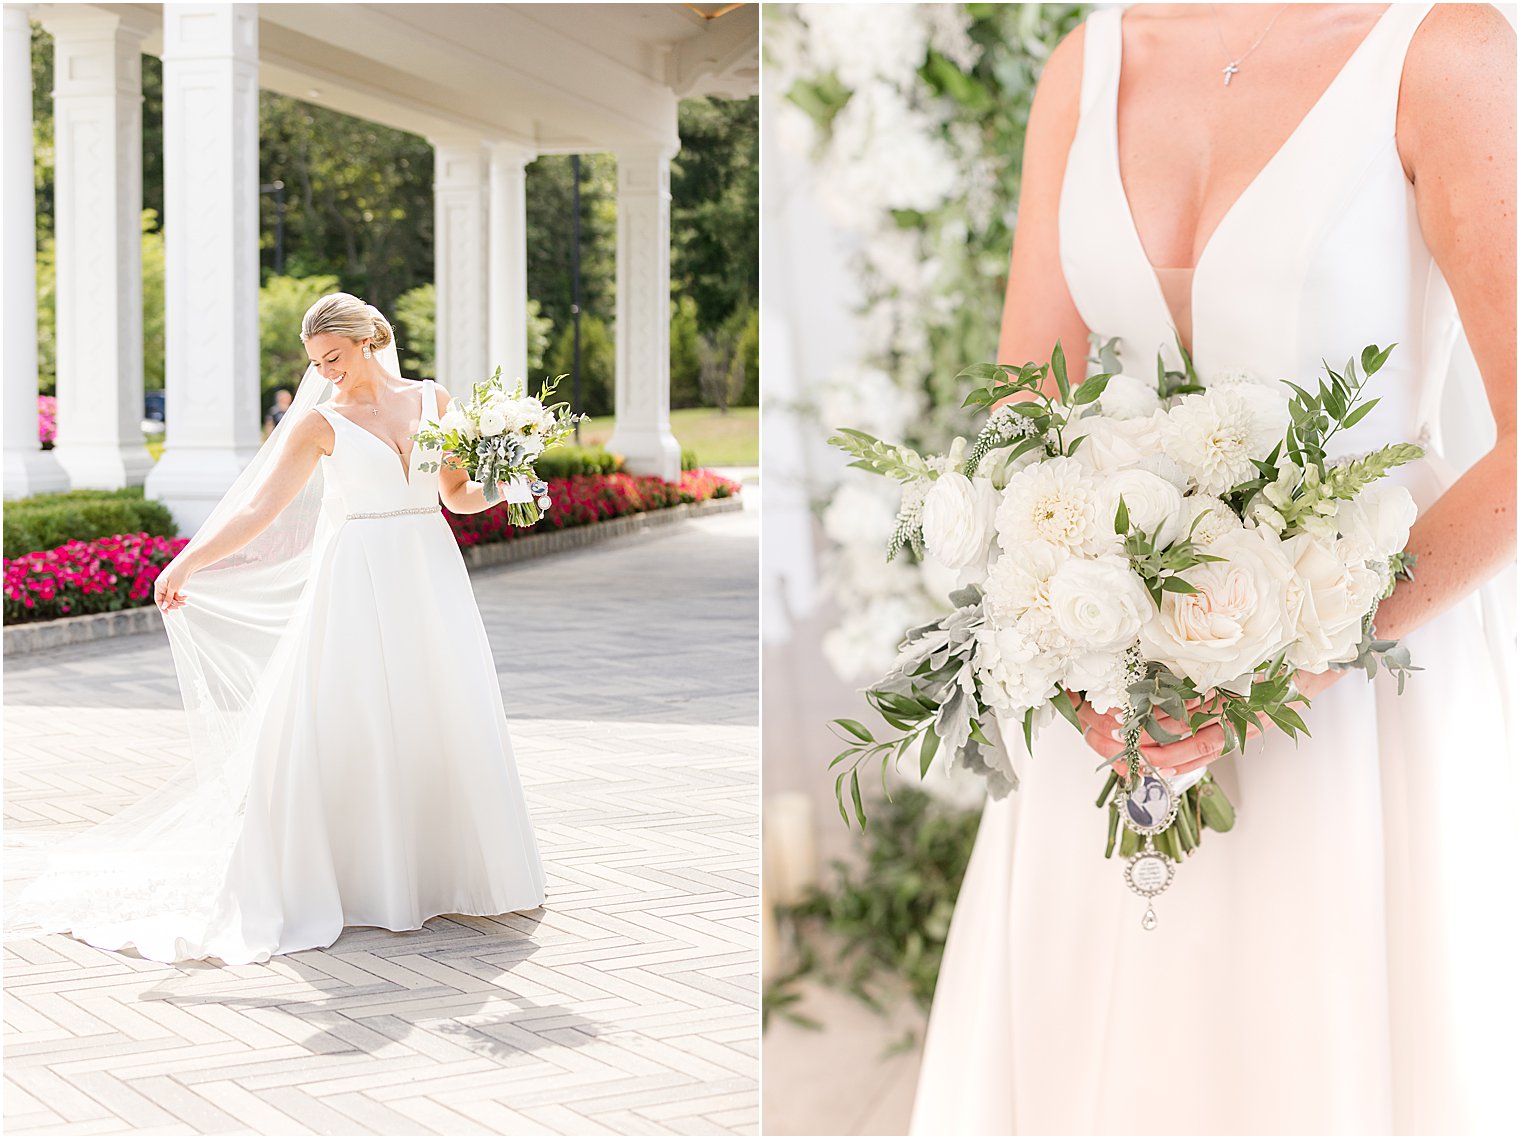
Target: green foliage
[(685, 354), (414, 317), (551, 219), (598, 360), (49, 520), (715, 207), (884, 923), (871, 454), (358, 199), (283, 301), (567, 460), (749, 351)]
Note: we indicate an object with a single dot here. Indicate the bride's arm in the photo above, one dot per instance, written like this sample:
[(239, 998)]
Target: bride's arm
[(1456, 130), (453, 484), (1037, 307), (310, 438)]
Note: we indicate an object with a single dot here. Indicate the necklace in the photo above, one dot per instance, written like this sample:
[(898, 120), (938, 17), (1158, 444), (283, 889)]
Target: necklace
[(1233, 66)]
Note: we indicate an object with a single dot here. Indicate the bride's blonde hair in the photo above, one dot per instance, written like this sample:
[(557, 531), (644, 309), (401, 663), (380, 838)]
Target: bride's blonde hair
[(343, 314)]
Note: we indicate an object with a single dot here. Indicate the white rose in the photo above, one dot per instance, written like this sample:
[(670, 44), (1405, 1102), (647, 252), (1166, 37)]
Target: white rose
[(1150, 500), (1215, 519), (1056, 502), (1214, 435), (1337, 590), (957, 519), (1099, 603), (1126, 397), (1378, 519), (1115, 444), (1241, 615)]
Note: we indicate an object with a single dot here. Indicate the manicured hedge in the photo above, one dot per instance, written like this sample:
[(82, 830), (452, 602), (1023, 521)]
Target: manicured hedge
[(565, 461), (49, 520)]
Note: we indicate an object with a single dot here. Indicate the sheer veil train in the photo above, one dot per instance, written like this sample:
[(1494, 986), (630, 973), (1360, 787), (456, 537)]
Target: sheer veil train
[(169, 851)]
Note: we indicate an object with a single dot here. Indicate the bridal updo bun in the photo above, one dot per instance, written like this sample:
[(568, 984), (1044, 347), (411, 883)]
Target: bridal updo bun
[(343, 314)]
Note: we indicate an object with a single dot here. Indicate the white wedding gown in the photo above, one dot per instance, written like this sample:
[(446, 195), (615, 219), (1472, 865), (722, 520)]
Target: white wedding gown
[(376, 786), (1338, 963)]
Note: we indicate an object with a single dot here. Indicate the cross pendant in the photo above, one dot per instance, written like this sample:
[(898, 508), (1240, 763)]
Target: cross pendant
[(1229, 70)]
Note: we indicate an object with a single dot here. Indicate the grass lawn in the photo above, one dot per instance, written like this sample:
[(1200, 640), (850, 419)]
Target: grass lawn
[(731, 440)]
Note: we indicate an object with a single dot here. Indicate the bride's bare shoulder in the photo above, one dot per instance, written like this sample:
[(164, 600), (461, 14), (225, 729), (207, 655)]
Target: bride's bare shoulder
[(1460, 68), (311, 428)]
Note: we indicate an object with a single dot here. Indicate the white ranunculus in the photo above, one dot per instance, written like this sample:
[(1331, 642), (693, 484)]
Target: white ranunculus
[(1217, 518), (1337, 590), (1099, 603), (1241, 615), (1115, 444), (1128, 397), (1150, 500), (492, 421), (1214, 435), (958, 519), (1056, 502), (1018, 585), (1378, 519)]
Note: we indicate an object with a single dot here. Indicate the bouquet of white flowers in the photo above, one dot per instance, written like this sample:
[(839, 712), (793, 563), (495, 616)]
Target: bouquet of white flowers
[(1145, 546), (494, 436)]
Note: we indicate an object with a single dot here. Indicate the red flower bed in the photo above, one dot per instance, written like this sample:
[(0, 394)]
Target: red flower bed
[(47, 418), (583, 499), (86, 577), (118, 573)]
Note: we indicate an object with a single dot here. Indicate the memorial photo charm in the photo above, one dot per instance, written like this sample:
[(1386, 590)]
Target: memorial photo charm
[(1149, 873), (1150, 806)]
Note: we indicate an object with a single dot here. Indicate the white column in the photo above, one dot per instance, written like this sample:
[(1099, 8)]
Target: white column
[(642, 431), (459, 263), (211, 243), (97, 219), (28, 468), (509, 261)]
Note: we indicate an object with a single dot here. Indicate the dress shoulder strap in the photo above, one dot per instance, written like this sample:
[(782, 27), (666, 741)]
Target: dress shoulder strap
[(1101, 46), (430, 399), (1383, 68)]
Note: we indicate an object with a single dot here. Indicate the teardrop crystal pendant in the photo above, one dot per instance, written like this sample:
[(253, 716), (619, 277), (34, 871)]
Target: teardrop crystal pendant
[(1148, 922)]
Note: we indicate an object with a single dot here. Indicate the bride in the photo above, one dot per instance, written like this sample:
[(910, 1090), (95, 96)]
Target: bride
[(350, 761), (1281, 185)]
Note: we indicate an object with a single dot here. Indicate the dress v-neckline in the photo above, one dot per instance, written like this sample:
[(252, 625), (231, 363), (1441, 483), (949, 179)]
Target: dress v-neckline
[(406, 464), (1275, 159)]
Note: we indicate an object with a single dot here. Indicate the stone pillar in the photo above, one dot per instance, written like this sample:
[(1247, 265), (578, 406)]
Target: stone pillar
[(28, 468), (509, 262), (97, 219), (211, 246), (459, 264), (642, 430)]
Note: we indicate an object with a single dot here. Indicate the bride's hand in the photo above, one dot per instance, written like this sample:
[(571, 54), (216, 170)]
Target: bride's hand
[(1207, 745), (169, 586), (1104, 733)]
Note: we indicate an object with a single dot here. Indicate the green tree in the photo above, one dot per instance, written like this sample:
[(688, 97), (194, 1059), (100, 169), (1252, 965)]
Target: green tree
[(685, 354), (358, 199), (598, 358), (283, 301), (715, 206), (550, 235)]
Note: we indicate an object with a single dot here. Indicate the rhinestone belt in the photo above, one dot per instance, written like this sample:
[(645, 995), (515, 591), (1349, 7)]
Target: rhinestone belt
[(434, 509)]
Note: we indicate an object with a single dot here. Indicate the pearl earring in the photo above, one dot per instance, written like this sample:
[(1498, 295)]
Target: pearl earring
[(367, 352)]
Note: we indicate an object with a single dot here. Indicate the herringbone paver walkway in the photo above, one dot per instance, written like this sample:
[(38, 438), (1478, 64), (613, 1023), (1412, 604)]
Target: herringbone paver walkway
[(628, 1005)]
